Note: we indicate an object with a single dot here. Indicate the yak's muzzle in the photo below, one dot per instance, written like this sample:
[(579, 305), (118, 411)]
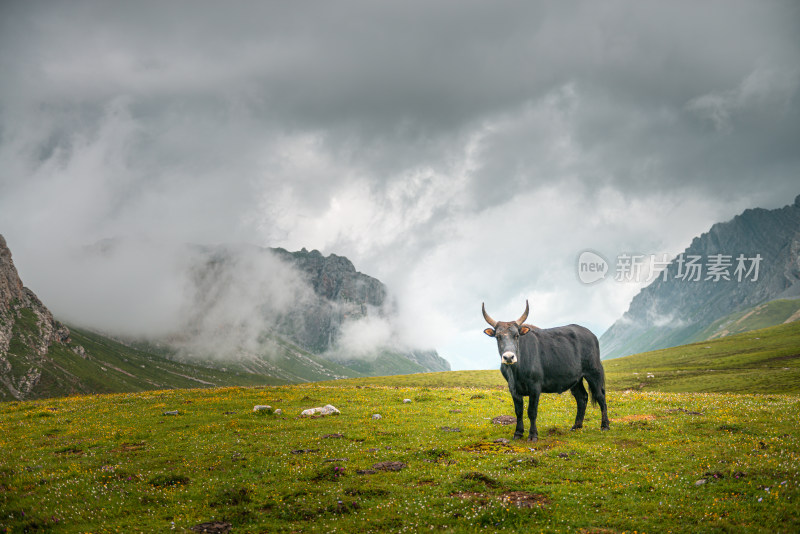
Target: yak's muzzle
[(509, 358)]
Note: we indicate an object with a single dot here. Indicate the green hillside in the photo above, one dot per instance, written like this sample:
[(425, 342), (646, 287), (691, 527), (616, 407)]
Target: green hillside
[(770, 313), (758, 361), (108, 366)]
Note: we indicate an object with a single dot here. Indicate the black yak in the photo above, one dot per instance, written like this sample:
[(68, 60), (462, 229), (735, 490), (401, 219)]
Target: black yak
[(553, 360)]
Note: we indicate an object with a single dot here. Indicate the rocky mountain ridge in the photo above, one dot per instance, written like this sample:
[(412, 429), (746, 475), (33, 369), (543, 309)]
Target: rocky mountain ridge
[(328, 294), (751, 259), (26, 327)]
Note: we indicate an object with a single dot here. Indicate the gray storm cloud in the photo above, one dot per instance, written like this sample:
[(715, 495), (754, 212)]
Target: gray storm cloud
[(460, 152)]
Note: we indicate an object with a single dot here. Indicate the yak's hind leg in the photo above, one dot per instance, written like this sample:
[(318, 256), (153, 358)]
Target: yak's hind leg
[(582, 398), (597, 385)]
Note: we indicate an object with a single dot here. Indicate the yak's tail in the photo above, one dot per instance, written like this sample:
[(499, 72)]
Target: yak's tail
[(597, 385)]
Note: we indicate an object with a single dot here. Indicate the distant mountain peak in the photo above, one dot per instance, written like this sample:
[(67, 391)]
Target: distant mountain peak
[(675, 311)]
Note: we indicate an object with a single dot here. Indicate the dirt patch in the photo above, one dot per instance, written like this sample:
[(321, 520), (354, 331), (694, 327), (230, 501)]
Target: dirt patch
[(333, 436), (504, 420), (213, 527), (128, 447), (389, 466), (494, 447), (523, 499)]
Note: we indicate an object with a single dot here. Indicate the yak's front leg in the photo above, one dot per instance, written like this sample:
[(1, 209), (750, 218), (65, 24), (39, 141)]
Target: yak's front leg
[(533, 408), (520, 430)]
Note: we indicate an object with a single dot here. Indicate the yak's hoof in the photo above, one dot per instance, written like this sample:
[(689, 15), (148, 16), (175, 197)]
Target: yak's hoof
[(576, 427), (517, 436), (605, 427), (533, 438)]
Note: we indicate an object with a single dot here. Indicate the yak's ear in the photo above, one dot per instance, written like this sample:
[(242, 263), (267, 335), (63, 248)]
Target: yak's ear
[(489, 332), (523, 330)]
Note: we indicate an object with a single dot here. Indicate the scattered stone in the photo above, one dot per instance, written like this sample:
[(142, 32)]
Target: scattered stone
[(456, 411), (373, 450), (278, 411), (504, 420), (324, 410), (213, 527), (700, 482), (228, 413), (503, 441), (377, 416), (260, 407), (563, 455), (337, 459), (389, 466), (334, 436), (448, 429), (406, 401), (173, 412)]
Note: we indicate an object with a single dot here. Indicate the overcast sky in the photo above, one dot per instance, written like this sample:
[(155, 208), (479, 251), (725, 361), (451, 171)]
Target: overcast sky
[(459, 151)]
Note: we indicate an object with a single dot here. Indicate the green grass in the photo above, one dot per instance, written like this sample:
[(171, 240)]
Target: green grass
[(115, 463), (758, 361)]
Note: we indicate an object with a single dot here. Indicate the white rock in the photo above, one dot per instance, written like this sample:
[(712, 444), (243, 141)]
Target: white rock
[(278, 411), (259, 407), (324, 410), (406, 401), (329, 409), (376, 416)]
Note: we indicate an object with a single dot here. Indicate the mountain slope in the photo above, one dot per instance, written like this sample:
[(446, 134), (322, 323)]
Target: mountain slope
[(676, 310), (770, 313), (758, 361)]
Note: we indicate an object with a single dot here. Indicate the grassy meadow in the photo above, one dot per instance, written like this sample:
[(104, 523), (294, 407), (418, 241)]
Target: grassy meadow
[(672, 462)]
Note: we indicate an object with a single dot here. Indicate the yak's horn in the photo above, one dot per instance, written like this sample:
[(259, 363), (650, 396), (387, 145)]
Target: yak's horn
[(486, 316), (524, 315)]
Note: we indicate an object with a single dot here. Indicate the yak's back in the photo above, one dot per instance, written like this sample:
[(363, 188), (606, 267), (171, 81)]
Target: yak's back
[(567, 342)]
